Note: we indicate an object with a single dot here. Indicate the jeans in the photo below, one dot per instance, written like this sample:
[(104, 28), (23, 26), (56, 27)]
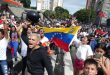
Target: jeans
[(4, 67)]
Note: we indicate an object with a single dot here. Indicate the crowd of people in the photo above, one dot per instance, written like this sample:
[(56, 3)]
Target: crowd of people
[(21, 48)]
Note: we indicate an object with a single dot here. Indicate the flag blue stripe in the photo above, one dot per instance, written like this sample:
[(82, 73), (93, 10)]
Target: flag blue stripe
[(66, 37)]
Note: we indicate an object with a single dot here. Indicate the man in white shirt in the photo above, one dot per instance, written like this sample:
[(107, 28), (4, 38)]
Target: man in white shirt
[(3, 49)]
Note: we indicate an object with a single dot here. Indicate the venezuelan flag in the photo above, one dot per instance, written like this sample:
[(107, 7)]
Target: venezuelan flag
[(62, 37)]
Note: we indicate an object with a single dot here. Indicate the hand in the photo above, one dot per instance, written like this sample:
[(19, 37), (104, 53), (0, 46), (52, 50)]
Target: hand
[(51, 52), (23, 25), (99, 61)]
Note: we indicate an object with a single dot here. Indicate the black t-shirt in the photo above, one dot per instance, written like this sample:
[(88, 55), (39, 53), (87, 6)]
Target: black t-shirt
[(37, 60)]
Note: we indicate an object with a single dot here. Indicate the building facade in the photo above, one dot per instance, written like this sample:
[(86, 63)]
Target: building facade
[(46, 5), (91, 4), (88, 4), (56, 3), (103, 6), (43, 5), (39, 4), (106, 10)]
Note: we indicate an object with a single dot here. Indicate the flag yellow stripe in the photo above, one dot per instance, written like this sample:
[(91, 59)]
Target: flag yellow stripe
[(71, 30)]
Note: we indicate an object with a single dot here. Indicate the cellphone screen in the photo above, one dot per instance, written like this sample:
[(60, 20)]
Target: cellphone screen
[(97, 56)]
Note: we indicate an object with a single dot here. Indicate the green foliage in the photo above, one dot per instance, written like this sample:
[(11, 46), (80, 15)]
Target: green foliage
[(49, 13), (85, 15), (61, 13), (4, 4), (33, 7), (26, 3)]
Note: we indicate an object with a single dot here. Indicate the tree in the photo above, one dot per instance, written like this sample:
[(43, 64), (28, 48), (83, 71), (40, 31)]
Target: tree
[(65, 14), (85, 15), (26, 3), (61, 13), (49, 14)]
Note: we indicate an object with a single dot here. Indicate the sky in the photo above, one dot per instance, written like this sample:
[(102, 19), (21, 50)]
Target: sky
[(71, 5), (74, 5)]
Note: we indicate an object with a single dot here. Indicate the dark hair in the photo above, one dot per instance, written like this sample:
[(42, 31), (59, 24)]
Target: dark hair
[(91, 61), (2, 31), (102, 46)]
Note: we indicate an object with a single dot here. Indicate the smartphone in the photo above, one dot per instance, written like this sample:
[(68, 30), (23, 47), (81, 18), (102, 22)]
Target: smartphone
[(97, 56)]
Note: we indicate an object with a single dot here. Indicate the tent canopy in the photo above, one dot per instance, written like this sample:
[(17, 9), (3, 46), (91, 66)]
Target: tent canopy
[(13, 2)]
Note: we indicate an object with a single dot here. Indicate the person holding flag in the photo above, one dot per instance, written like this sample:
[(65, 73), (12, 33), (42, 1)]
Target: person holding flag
[(62, 38), (37, 58)]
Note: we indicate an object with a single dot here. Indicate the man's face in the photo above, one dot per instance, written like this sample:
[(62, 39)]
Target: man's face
[(90, 69), (33, 40)]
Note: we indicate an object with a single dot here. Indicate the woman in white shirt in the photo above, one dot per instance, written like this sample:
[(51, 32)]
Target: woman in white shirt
[(83, 51)]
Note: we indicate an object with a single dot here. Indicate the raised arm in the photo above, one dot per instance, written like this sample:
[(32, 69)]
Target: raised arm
[(6, 30)]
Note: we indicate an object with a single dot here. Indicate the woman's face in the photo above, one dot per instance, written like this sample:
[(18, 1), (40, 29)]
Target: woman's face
[(84, 40), (29, 31), (41, 32), (100, 51), (90, 69)]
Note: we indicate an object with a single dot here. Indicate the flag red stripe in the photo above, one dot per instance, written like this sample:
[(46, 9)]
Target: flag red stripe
[(61, 44)]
